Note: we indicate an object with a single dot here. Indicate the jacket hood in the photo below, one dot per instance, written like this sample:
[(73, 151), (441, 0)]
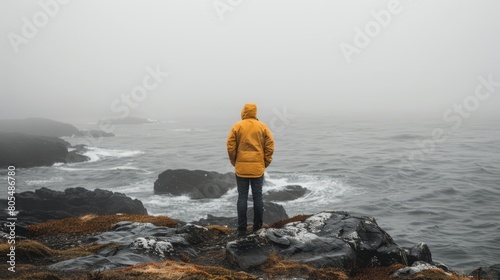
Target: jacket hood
[(249, 111)]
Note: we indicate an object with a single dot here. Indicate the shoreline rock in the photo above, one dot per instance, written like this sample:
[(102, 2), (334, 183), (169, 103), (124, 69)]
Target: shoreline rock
[(197, 184), (24, 151), (320, 244), (39, 127), (286, 193), (137, 243), (44, 204), (490, 272), (326, 239), (47, 128)]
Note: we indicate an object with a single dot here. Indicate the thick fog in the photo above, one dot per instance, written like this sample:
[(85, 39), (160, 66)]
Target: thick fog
[(93, 59)]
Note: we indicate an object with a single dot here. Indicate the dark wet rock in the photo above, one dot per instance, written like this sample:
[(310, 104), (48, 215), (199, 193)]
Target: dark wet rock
[(441, 266), (249, 252), (138, 243), (419, 252), (21, 150), (327, 239), (490, 273), (45, 204), (197, 184), (414, 269), (290, 192), (272, 213), (12, 230), (39, 127)]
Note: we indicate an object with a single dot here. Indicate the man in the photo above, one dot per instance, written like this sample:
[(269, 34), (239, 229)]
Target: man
[(250, 147)]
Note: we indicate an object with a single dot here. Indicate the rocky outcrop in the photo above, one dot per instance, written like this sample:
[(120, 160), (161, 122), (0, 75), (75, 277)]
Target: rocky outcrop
[(21, 150), (327, 239), (286, 193), (40, 127), (138, 243), (414, 269), (45, 204), (196, 184), (48, 128), (491, 272), (272, 213), (336, 244)]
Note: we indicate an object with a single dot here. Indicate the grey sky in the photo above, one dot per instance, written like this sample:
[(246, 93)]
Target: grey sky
[(278, 54)]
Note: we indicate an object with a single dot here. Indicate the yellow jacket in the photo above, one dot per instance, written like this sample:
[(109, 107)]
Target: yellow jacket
[(250, 144)]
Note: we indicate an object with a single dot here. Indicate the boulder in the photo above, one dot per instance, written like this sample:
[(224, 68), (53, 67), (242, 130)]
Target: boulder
[(414, 269), (289, 192), (419, 252), (491, 272), (40, 127), (45, 204), (138, 243), (327, 239), (196, 184), (272, 213), (21, 150)]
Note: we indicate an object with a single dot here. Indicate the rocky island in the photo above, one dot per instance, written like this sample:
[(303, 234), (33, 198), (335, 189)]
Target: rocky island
[(37, 142)]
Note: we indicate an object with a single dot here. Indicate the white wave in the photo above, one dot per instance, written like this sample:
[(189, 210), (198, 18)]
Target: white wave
[(323, 192), (122, 167), (142, 188), (126, 167), (95, 153), (44, 182), (187, 209), (64, 168)]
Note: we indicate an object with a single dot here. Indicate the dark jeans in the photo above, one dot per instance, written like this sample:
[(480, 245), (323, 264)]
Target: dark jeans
[(258, 204)]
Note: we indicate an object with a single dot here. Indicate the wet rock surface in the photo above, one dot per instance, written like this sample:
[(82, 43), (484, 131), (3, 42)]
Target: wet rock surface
[(138, 243), (490, 272), (285, 193), (39, 127), (22, 150), (197, 184), (45, 204), (327, 239), (272, 213)]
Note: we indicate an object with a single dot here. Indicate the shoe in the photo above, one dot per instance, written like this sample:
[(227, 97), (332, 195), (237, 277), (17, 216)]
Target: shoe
[(242, 233)]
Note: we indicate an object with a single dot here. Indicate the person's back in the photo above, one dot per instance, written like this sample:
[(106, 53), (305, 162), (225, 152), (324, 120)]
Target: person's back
[(250, 147)]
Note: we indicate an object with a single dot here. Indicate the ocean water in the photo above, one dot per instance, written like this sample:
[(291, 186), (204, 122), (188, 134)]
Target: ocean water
[(443, 191)]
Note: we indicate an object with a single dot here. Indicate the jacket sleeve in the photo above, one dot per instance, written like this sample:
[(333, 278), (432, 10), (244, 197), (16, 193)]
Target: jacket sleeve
[(232, 146), (269, 147)]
